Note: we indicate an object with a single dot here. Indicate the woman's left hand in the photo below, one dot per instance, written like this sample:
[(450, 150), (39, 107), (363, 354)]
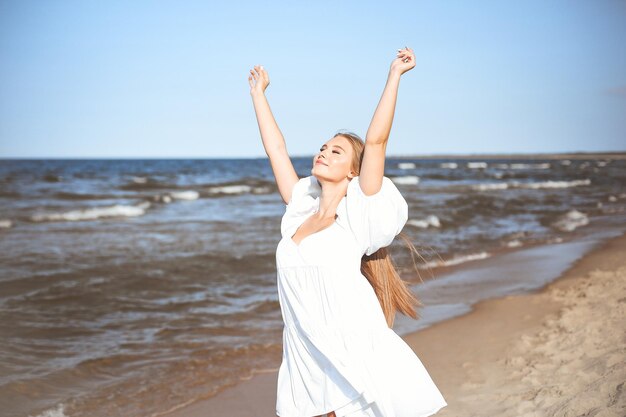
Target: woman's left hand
[(405, 61)]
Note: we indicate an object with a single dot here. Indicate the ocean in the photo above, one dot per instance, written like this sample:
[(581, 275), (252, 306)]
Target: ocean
[(134, 287)]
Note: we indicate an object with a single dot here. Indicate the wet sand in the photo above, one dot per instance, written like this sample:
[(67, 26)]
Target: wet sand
[(558, 351)]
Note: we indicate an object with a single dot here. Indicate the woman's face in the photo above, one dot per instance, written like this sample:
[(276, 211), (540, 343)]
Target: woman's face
[(334, 159)]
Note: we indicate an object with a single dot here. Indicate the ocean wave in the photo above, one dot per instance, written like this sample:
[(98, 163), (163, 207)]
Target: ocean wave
[(52, 178), (57, 411), (65, 195), (407, 179), (544, 165), (571, 220), (118, 210), (429, 221), (5, 223), (185, 195), (490, 186), (516, 243), (456, 260), (449, 165), (230, 189), (147, 184), (162, 198), (551, 184), (476, 165), (406, 165), (530, 185)]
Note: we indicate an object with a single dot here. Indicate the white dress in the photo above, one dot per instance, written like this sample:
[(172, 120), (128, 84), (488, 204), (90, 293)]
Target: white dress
[(338, 352)]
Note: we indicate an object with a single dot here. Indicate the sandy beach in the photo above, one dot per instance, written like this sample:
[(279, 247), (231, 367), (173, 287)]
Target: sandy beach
[(559, 351)]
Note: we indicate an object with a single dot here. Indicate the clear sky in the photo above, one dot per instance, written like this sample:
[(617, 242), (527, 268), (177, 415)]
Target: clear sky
[(169, 79)]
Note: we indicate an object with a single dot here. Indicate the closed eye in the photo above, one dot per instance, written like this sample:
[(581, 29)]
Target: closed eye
[(322, 148)]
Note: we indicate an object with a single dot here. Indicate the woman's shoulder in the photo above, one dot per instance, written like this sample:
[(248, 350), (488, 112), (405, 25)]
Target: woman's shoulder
[(305, 186)]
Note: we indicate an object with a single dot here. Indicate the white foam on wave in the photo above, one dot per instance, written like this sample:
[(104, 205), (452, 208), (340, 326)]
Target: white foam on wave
[(552, 184), (406, 165), (407, 179), (544, 165), (429, 221), (566, 162), (162, 198), (185, 195), (571, 220), (455, 260), (57, 411), (602, 163), (118, 210), (261, 190), (491, 186), (230, 189), (530, 185), (140, 180), (516, 243), (5, 223), (449, 165), (475, 165)]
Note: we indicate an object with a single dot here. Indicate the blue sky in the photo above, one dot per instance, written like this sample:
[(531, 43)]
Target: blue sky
[(169, 79)]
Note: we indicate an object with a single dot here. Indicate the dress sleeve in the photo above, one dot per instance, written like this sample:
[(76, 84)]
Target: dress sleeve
[(303, 202), (375, 220)]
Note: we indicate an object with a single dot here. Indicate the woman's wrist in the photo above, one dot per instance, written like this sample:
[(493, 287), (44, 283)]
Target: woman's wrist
[(394, 74)]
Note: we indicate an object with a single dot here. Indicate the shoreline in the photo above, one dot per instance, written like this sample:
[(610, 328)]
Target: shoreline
[(488, 351), (471, 357)]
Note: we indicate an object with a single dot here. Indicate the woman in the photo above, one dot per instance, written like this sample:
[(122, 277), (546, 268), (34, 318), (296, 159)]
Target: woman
[(337, 287)]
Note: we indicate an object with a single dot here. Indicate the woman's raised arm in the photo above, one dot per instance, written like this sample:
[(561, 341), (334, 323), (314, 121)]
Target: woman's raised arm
[(373, 165), (273, 140)]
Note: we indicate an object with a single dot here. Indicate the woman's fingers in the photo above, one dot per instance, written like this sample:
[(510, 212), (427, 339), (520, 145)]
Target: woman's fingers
[(406, 54), (256, 73), (258, 70)]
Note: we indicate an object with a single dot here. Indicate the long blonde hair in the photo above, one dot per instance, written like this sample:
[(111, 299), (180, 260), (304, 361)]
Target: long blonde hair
[(391, 290)]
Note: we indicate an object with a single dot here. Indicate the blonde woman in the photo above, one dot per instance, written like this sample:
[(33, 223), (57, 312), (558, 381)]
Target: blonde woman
[(337, 286)]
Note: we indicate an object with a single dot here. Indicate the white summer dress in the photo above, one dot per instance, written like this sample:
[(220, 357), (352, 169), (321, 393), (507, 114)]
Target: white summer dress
[(338, 352)]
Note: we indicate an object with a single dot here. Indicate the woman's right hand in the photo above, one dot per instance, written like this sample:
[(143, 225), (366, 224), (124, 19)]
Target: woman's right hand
[(258, 80)]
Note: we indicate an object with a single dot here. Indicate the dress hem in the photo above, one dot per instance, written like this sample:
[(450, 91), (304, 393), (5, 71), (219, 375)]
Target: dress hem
[(366, 406)]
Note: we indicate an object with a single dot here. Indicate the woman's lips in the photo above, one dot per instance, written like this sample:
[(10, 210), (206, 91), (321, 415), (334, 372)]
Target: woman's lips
[(319, 162)]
